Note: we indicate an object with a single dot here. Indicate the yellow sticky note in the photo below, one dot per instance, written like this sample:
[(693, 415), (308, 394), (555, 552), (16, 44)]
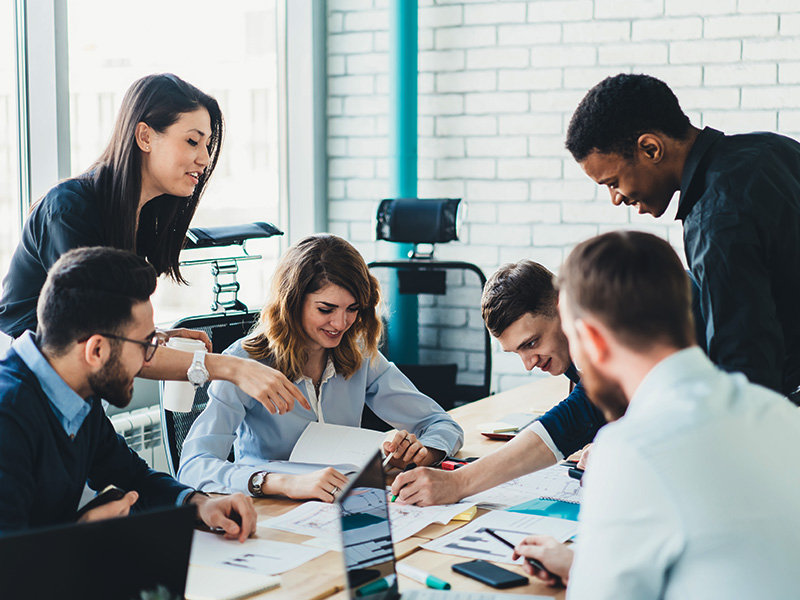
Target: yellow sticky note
[(467, 515)]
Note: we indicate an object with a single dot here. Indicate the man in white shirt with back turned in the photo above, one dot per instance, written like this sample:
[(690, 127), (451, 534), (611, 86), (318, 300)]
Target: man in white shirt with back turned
[(692, 492)]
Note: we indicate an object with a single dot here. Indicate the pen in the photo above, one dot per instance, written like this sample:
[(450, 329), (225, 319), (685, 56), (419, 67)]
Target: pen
[(389, 456), (531, 561), (505, 430), (422, 577), (409, 466)]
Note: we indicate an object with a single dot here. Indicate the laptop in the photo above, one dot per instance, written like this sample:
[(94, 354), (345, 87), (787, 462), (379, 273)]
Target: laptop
[(367, 549), (110, 559)]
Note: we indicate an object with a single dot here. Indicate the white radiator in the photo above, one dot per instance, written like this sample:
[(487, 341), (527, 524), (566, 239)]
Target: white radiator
[(141, 429)]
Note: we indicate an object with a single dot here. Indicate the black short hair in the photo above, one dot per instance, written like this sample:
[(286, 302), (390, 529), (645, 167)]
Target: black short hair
[(514, 290), (635, 284), (88, 291), (619, 109)]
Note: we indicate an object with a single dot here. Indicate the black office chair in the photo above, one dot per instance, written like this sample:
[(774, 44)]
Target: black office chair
[(453, 359), (224, 328)]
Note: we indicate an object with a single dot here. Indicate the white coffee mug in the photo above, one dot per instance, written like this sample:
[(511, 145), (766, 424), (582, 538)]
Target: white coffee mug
[(179, 395)]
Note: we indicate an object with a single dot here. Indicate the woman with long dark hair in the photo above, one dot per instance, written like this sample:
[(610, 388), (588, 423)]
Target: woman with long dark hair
[(140, 195), (320, 328)]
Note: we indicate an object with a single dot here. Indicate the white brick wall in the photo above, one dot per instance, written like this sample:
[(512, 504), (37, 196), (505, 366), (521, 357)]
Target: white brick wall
[(498, 83)]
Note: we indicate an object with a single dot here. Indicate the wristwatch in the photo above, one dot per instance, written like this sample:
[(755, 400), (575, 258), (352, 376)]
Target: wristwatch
[(197, 373), (257, 481)]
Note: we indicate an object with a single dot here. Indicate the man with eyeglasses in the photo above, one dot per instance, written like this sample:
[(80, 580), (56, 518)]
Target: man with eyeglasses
[(95, 334)]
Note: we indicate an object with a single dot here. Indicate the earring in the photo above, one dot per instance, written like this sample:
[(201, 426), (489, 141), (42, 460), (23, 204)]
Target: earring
[(147, 147)]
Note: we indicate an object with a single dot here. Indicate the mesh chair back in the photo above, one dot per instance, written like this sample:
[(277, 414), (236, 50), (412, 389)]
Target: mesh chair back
[(223, 330)]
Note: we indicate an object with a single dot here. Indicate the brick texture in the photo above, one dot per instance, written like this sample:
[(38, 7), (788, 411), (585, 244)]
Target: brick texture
[(498, 83)]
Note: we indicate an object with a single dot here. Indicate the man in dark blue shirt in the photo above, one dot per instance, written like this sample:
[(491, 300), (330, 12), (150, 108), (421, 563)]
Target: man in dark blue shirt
[(519, 307), (740, 208), (95, 334)]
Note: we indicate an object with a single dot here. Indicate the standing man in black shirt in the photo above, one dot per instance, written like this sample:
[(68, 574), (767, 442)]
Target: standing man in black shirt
[(740, 208)]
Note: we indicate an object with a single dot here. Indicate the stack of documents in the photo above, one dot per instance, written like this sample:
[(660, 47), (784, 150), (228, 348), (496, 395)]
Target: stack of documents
[(321, 520)]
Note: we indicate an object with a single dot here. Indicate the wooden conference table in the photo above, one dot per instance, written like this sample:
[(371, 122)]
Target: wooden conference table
[(323, 577)]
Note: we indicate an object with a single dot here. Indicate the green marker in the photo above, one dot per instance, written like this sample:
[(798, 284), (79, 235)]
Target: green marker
[(422, 577), (409, 466), (373, 587)]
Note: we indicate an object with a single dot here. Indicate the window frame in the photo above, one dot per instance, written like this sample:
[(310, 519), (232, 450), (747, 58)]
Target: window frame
[(43, 108)]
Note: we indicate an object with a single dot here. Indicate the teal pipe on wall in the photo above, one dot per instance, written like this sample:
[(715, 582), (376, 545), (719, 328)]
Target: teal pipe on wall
[(403, 329)]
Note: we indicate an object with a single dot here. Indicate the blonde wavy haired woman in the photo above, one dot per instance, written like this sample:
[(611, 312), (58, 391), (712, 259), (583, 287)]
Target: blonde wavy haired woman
[(321, 329)]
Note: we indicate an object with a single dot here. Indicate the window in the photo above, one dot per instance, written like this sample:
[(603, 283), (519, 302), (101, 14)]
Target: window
[(9, 151), (227, 50)]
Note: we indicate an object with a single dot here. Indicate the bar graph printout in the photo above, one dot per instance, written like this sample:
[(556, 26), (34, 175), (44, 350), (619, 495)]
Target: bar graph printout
[(472, 541), (267, 557), (552, 483)]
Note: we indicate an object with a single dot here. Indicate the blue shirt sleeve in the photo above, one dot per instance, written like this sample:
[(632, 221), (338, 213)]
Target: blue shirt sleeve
[(395, 400), (573, 422)]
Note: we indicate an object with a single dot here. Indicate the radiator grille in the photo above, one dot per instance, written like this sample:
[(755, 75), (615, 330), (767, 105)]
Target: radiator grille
[(141, 428)]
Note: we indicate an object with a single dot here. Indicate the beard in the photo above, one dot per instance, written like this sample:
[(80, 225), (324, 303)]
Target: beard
[(603, 392), (112, 383)]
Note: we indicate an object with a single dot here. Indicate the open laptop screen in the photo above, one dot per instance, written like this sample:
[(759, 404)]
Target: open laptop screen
[(367, 536)]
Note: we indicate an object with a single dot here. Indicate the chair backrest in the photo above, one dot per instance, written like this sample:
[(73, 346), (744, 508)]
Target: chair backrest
[(223, 330), (454, 355)]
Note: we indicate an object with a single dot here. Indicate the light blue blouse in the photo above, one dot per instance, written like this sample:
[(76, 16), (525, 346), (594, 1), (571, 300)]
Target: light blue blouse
[(234, 418)]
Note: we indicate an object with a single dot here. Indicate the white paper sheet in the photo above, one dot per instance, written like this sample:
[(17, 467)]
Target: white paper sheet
[(210, 583), (267, 557), (321, 520), (553, 482), (471, 541), (323, 443)]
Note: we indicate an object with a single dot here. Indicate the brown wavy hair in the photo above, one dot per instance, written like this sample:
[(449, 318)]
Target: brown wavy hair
[(307, 267)]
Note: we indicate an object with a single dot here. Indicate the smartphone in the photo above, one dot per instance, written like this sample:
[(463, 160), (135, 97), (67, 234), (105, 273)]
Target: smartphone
[(531, 561), (110, 493), (490, 574)]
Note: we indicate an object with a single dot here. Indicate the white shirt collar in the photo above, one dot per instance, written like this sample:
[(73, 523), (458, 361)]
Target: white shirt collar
[(671, 372)]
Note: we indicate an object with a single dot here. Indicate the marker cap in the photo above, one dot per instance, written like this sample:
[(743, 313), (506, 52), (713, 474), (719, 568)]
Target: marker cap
[(436, 583)]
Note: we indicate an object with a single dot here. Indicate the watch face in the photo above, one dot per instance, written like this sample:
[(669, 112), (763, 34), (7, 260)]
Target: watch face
[(258, 481), (197, 374)]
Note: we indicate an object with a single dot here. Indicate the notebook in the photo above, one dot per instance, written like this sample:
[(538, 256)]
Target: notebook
[(114, 558), (367, 549)]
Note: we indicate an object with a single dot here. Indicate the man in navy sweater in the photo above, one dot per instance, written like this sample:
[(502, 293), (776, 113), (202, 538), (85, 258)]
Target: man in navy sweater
[(519, 306), (95, 333)]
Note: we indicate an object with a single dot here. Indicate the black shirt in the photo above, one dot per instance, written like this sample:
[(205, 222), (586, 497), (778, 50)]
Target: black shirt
[(740, 207), (67, 217)]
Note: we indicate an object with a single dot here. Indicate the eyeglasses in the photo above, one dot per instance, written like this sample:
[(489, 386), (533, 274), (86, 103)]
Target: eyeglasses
[(150, 347)]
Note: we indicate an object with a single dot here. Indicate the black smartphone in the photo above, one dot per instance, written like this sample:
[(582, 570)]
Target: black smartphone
[(110, 493), (490, 574), (531, 561)]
